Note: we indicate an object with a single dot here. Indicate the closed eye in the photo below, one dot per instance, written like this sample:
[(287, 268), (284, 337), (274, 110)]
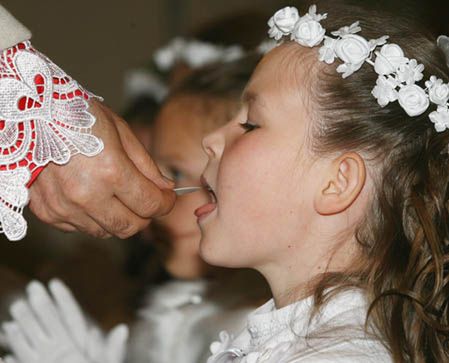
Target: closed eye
[(248, 127)]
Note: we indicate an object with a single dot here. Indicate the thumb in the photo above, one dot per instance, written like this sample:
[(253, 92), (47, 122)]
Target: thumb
[(116, 344), (140, 157)]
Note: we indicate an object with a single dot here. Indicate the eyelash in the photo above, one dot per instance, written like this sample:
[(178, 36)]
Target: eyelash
[(248, 127)]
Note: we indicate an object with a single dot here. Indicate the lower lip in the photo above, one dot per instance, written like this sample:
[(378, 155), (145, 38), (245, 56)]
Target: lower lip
[(205, 210)]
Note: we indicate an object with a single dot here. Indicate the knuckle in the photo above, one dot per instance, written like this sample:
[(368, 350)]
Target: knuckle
[(121, 227), (101, 233), (109, 169), (151, 204), (67, 228), (80, 194), (46, 217), (63, 213), (127, 232)]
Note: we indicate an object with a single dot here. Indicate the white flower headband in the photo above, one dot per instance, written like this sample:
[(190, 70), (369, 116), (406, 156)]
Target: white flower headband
[(194, 53), (144, 82), (397, 74)]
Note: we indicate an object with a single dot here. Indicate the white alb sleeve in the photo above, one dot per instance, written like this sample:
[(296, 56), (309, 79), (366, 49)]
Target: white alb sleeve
[(11, 30)]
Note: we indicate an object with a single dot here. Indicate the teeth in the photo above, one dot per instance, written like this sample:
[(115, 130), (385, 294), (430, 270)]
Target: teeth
[(211, 192)]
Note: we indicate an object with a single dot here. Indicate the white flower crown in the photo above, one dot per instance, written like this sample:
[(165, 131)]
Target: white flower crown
[(194, 53), (197, 54), (397, 74)]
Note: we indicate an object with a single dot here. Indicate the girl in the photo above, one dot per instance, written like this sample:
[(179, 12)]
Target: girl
[(332, 181), (181, 316)]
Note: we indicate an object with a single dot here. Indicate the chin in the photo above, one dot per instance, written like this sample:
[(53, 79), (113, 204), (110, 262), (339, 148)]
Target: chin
[(213, 253)]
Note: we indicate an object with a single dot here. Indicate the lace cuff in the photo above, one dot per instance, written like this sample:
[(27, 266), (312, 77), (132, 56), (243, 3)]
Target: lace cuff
[(44, 118)]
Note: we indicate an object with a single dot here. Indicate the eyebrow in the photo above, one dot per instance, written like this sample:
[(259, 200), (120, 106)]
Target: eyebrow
[(252, 97)]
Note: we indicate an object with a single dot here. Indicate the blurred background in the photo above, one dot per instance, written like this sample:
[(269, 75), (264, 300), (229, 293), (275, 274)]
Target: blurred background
[(97, 42)]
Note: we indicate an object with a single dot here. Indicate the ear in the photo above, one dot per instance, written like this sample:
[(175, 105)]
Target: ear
[(343, 182)]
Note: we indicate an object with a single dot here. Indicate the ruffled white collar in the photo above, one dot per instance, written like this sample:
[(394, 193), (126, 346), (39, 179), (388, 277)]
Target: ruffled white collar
[(267, 321), (269, 328)]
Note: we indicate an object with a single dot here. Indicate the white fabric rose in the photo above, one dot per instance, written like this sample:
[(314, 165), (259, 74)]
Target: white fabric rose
[(348, 69), (167, 56), (196, 54), (313, 14), (352, 49), (232, 53), (308, 32), (164, 58), (385, 91), (346, 30), (440, 118), (438, 91), (283, 22), (374, 43), (266, 46), (410, 72), (433, 81), (327, 51), (389, 59), (413, 99)]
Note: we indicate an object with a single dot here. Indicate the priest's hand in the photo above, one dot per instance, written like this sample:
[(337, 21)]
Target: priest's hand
[(115, 193)]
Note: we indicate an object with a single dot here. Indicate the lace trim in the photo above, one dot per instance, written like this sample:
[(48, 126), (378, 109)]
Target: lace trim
[(43, 118)]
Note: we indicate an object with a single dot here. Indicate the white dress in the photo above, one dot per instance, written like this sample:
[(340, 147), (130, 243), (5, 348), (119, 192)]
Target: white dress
[(335, 335), (178, 323)]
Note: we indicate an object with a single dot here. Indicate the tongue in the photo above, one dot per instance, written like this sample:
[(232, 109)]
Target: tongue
[(205, 209)]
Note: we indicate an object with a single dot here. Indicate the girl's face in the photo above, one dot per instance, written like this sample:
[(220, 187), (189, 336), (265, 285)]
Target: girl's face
[(177, 136), (263, 175)]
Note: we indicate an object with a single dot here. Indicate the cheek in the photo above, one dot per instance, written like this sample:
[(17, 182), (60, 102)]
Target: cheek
[(255, 199), (256, 175)]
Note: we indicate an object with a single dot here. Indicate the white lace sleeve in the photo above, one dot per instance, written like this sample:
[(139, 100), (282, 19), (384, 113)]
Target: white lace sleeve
[(44, 118)]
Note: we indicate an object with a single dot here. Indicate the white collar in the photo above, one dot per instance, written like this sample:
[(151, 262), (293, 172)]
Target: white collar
[(267, 322)]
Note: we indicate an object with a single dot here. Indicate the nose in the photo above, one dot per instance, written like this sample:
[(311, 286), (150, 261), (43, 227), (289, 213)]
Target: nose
[(214, 143)]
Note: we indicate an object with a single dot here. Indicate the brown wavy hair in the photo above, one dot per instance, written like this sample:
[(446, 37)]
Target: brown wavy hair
[(405, 235)]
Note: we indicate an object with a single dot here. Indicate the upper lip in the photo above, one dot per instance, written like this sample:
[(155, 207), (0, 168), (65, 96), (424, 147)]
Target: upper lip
[(208, 188)]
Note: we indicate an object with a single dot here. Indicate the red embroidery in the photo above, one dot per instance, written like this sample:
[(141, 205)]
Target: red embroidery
[(8, 70)]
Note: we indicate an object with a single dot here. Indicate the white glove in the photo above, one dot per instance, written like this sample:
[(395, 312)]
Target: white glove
[(52, 329)]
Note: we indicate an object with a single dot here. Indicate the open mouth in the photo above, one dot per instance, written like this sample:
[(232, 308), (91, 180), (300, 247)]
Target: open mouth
[(205, 210), (209, 189)]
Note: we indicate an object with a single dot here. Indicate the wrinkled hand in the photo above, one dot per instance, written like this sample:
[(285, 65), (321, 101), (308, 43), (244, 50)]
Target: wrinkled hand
[(114, 193), (52, 329)]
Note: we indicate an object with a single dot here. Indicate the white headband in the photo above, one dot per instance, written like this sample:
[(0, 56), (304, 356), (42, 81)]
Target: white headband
[(397, 74), (194, 53)]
